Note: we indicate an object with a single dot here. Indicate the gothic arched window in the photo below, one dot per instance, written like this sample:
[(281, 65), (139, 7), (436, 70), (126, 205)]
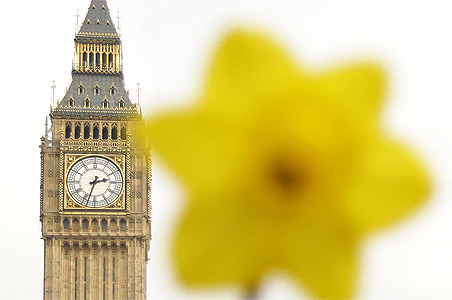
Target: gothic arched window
[(123, 133), (68, 130), (105, 103), (77, 131), (112, 91), (114, 133), (81, 89), (85, 59), (66, 223), (105, 132), (110, 61), (104, 225), (87, 103), (96, 132), (85, 224), (121, 103), (113, 224), (95, 225), (71, 102), (97, 90), (97, 60), (91, 59), (104, 60), (75, 224), (122, 225), (86, 131)]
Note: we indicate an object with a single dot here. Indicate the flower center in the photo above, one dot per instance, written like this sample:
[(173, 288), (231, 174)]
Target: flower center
[(287, 177)]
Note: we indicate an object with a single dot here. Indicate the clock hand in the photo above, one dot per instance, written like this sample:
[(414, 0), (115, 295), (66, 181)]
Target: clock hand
[(93, 183), (87, 200)]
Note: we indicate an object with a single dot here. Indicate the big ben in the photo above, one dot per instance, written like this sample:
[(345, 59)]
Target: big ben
[(95, 177)]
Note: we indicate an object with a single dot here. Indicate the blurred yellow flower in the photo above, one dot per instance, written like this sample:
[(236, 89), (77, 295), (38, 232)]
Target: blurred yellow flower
[(286, 170)]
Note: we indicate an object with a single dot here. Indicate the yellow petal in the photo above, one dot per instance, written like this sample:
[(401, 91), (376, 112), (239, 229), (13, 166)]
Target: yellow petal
[(267, 137), (201, 148), (359, 86), (388, 183), (320, 252), (221, 244), (247, 69)]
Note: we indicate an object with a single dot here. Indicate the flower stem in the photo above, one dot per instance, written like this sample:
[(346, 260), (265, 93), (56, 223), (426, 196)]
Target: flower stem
[(252, 292)]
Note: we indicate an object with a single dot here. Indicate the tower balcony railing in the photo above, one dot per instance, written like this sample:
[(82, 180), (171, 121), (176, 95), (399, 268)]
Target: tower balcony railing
[(94, 68)]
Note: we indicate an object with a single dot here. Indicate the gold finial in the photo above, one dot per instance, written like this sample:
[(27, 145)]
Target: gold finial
[(46, 134), (119, 28), (138, 91), (53, 91), (76, 24)]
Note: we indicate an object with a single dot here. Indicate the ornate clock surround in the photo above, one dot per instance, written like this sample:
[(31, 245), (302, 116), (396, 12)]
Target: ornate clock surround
[(67, 205)]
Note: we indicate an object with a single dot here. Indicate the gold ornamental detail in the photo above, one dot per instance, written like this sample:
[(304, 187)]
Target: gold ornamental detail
[(128, 188), (68, 205), (90, 145)]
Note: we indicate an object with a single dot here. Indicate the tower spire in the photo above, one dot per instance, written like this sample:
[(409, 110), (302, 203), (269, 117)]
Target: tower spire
[(97, 43), (98, 20), (97, 80)]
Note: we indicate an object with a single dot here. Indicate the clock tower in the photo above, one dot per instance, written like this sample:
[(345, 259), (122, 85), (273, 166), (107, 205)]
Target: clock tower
[(95, 177)]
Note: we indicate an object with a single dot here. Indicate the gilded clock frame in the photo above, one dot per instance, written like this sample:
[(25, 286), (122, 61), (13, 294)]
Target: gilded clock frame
[(120, 206)]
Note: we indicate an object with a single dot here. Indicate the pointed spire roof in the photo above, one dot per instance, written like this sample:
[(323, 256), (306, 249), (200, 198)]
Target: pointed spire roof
[(97, 88), (98, 20)]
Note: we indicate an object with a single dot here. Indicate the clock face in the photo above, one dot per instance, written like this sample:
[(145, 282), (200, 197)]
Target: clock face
[(94, 181)]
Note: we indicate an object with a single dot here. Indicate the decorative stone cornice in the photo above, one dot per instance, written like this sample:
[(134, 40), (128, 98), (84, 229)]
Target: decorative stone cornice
[(96, 34), (99, 113), (90, 145)]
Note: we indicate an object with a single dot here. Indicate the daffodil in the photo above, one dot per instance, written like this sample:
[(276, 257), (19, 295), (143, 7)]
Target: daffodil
[(285, 169)]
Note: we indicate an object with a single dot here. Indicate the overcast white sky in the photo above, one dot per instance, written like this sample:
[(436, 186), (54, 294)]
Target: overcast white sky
[(166, 48)]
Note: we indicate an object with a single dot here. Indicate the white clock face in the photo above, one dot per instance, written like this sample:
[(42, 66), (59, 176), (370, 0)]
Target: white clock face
[(94, 181)]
